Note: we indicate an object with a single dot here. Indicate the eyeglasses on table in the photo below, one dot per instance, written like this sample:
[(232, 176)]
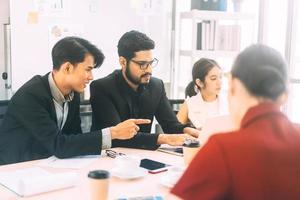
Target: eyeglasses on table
[(112, 154)]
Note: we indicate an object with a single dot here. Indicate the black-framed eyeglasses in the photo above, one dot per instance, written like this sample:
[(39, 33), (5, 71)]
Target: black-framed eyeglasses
[(144, 64), (113, 154)]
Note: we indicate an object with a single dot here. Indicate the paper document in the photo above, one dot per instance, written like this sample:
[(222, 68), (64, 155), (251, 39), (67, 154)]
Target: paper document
[(70, 163), (27, 182)]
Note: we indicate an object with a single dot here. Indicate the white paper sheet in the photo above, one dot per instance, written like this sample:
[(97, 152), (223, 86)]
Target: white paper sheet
[(70, 163), (30, 181)]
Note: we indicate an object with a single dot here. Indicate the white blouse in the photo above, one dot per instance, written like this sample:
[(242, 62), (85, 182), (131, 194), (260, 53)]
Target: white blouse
[(200, 110)]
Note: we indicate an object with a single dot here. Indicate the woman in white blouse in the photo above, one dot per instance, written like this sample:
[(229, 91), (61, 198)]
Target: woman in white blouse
[(204, 97)]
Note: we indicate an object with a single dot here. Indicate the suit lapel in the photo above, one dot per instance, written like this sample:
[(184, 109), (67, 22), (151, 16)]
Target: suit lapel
[(74, 105), (123, 89), (144, 100), (52, 107)]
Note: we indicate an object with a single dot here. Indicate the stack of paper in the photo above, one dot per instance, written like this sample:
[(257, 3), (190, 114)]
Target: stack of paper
[(26, 182)]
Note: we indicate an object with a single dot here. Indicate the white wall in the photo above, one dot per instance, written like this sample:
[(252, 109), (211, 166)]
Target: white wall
[(4, 19), (104, 25)]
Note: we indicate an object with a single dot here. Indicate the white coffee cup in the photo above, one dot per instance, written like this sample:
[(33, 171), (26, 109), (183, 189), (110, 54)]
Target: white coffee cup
[(190, 149), (99, 183), (174, 173), (127, 164)]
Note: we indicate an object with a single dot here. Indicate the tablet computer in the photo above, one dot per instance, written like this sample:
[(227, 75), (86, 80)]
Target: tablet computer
[(178, 151)]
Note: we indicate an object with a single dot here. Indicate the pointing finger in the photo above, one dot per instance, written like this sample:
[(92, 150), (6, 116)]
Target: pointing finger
[(141, 121)]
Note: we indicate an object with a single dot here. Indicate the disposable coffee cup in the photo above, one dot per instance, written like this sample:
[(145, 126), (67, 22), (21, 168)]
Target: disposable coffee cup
[(99, 182), (174, 173), (190, 149)]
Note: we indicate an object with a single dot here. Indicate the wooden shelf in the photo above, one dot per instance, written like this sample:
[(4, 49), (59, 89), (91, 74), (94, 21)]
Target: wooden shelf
[(208, 53), (216, 15)]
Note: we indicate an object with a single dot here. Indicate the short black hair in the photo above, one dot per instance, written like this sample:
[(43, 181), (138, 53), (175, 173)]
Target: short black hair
[(134, 41), (200, 70), (262, 70), (74, 50)]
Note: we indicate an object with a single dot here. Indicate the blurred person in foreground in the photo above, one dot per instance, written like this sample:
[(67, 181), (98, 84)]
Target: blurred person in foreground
[(260, 160)]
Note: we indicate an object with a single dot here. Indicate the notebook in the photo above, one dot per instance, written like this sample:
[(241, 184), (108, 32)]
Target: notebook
[(215, 125)]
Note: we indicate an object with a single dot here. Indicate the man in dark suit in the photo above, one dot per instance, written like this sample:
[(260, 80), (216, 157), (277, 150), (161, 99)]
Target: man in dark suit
[(43, 119), (132, 93)]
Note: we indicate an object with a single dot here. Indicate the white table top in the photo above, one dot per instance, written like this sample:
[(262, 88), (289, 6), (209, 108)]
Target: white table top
[(148, 185)]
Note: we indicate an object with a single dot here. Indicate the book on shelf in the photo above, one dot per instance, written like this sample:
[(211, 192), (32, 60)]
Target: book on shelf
[(199, 36), (206, 35), (212, 31), (228, 38)]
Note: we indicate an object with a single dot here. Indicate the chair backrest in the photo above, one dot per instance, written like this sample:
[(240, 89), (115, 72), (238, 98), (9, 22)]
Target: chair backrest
[(3, 108), (175, 103), (86, 115)]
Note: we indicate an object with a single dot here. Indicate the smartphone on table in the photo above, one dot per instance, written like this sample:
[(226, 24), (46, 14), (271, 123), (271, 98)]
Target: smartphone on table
[(153, 166)]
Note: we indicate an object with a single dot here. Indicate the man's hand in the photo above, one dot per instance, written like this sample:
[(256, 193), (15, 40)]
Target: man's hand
[(173, 139), (127, 129), (191, 131)]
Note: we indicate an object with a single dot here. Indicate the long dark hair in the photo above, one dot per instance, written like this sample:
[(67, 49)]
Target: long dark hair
[(200, 71), (262, 70)]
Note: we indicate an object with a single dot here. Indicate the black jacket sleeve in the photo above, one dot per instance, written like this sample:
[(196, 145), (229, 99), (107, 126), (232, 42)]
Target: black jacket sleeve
[(166, 116), (32, 112)]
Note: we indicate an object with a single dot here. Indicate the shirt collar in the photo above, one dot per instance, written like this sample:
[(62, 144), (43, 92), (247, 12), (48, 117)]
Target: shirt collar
[(260, 110), (56, 93)]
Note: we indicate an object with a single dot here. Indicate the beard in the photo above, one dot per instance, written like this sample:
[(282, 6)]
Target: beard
[(135, 80)]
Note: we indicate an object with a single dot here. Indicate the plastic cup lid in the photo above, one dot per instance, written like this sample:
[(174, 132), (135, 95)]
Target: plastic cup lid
[(98, 174)]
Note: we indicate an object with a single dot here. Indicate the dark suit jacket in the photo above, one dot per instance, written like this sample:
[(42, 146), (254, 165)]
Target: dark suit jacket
[(29, 129), (259, 161), (113, 101)]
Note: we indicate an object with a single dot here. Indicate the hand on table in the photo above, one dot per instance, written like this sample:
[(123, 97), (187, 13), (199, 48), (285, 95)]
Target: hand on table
[(191, 131), (173, 139)]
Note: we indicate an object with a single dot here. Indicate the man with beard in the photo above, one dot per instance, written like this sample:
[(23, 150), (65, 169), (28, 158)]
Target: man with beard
[(132, 93)]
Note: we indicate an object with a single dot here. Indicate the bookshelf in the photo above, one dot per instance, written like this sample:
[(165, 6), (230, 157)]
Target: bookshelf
[(208, 53), (215, 15), (213, 34)]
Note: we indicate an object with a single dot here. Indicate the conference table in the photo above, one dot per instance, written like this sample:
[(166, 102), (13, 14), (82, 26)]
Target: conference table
[(148, 185)]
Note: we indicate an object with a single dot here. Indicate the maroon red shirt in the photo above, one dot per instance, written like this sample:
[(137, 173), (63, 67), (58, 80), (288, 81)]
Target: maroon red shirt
[(259, 161)]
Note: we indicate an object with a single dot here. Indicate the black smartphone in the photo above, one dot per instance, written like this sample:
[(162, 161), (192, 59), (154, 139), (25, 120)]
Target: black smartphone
[(154, 166)]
